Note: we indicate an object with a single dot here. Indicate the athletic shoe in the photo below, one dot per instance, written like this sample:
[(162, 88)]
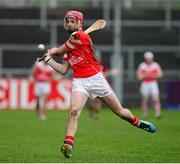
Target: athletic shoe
[(66, 149), (147, 126)]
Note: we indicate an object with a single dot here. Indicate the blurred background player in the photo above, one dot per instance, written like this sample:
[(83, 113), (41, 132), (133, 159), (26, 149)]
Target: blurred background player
[(148, 72), (41, 74), (95, 105)]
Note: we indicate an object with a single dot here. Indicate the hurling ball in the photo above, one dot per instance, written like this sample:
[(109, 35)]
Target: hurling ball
[(41, 47)]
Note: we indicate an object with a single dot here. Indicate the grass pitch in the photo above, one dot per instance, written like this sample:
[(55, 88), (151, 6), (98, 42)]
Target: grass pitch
[(25, 138)]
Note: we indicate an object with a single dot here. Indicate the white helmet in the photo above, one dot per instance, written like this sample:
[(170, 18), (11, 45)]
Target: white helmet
[(148, 55)]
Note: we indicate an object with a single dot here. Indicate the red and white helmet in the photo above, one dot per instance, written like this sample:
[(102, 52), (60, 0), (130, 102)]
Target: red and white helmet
[(75, 14)]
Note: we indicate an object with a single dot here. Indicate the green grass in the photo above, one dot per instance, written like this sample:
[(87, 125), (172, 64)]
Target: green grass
[(24, 138)]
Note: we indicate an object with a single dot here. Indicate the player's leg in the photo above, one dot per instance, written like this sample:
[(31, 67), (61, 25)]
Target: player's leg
[(156, 100), (42, 106), (45, 90), (37, 94), (112, 101), (78, 101), (157, 106), (102, 89), (144, 90), (37, 105), (42, 111), (144, 107), (95, 106)]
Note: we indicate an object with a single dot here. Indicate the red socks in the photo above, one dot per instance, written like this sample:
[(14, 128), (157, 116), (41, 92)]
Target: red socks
[(69, 140), (135, 121)]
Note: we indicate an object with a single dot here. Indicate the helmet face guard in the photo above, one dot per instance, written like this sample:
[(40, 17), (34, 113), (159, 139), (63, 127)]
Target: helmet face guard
[(76, 16)]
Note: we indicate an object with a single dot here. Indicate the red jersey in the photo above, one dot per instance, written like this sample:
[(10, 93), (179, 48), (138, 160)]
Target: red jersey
[(42, 72), (81, 55), (152, 69)]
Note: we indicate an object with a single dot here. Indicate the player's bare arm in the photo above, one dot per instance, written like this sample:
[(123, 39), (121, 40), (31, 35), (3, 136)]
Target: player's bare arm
[(58, 51), (159, 73), (141, 75), (60, 68), (156, 75)]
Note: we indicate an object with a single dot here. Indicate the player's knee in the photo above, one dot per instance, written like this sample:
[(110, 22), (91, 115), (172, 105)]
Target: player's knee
[(74, 113)]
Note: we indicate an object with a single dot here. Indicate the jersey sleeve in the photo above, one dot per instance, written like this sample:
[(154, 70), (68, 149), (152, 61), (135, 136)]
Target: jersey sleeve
[(74, 41)]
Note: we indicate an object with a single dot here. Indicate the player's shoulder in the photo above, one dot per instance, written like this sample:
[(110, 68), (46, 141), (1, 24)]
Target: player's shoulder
[(155, 64), (77, 37), (79, 34), (76, 33), (38, 64), (142, 65)]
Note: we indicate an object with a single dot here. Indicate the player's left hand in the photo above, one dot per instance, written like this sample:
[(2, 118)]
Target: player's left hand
[(52, 51), (48, 54)]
